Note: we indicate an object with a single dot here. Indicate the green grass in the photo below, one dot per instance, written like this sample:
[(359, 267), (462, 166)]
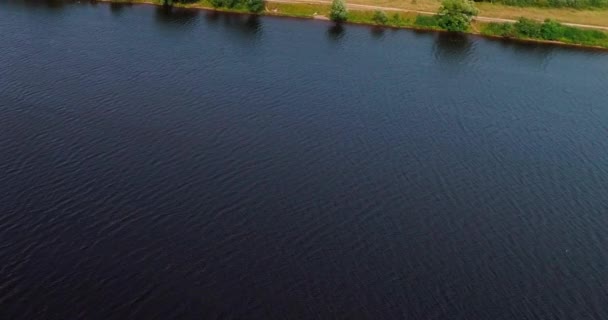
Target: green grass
[(303, 10), (549, 30), (576, 4), (427, 22), (395, 20)]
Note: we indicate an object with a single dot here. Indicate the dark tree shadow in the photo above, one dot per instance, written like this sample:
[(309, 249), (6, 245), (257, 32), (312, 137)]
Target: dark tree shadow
[(378, 32), (179, 16), (535, 51), (118, 7), (212, 16), (253, 24), (245, 25), (336, 32), (53, 4), (452, 48)]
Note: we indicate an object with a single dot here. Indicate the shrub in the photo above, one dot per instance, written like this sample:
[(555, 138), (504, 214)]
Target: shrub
[(396, 19), (338, 12), (500, 29), (255, 5), (216, 3), (551, 30), (576, 35), (456, 15), (427, 21), (380, 17), (528, 28), (232, 3)]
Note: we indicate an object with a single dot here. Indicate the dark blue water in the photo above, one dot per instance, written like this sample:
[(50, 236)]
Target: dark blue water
[(188, 165)]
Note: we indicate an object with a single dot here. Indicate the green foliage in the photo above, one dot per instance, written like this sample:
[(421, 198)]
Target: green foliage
[(217, 3), (255, 5), (583, 36), (428, 22), (456, 15), (338, 12), (500, 29), (528, 28), (380, 17), (578, 4), (396, 19), (549, 30), (232, 3)]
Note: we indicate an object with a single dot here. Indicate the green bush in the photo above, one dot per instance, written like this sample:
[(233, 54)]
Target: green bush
[(217, 3), (380, 17), (549, 30), (456, 15), (576, 35), (338, 12), (500, 29), (423, 21), (528, 28), (255, 5), (232, 3), (578, 4), (396, 19)]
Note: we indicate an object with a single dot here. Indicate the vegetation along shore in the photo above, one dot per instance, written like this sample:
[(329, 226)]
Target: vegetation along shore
[(573, 22)]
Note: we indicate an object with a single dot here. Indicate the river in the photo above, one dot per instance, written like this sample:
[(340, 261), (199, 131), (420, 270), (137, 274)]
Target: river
[(181, 164)]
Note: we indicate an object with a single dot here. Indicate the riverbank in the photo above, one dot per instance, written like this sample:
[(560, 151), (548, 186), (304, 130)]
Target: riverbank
[(580, 35)]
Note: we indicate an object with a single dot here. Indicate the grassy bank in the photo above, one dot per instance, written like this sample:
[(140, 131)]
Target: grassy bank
[(550, 30), (577, 4), (525, 29), (598, 17)]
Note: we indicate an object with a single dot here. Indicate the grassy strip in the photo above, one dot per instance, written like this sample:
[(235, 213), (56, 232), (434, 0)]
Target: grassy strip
[(304, 10), (576, 4), (525, 29), (395, 20), (238, 6), (549, 30)]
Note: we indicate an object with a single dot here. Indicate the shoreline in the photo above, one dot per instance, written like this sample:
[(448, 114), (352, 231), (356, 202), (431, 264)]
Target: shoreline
[(473, 31)]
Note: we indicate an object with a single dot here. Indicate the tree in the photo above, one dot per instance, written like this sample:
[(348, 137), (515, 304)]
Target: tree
[(255, 5), (232, 3), (217, 3), (338, 12), (380, 17), (456, 15)]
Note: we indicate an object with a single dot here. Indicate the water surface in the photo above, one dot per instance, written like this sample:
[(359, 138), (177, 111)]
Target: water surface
[(188, 165)]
